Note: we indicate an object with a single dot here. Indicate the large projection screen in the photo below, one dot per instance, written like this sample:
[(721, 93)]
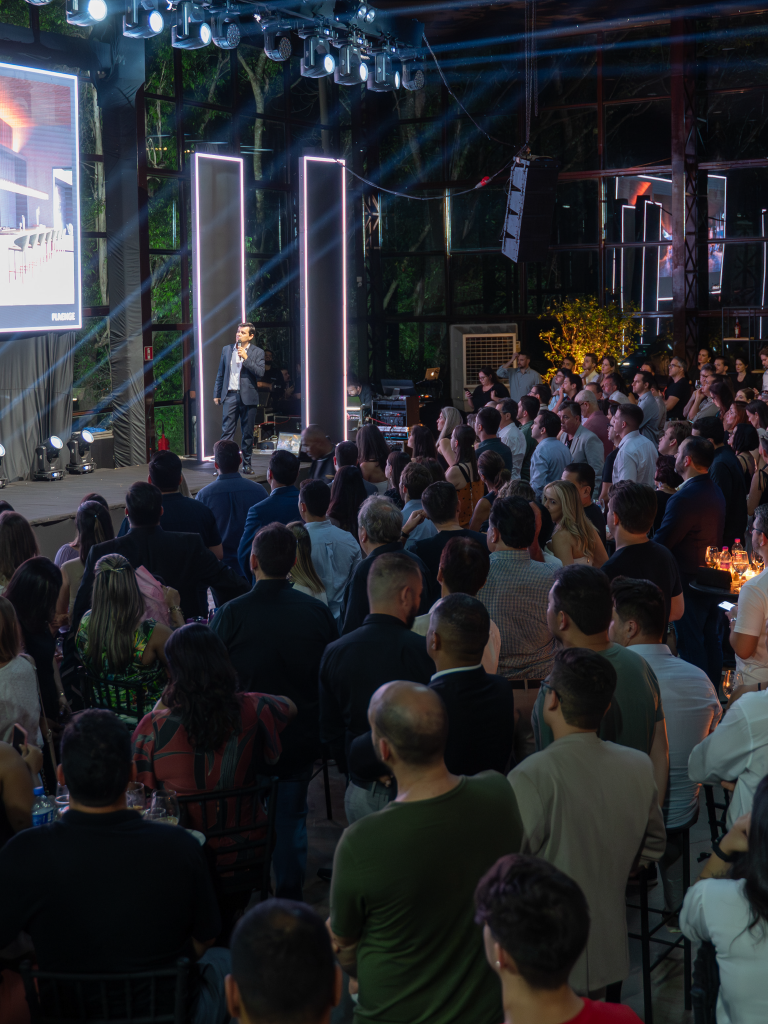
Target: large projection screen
[(322, 258), (218, 267), (39, 201)]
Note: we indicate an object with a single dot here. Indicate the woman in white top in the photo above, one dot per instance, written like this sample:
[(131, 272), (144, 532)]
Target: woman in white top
[(728, 906), (575, 541), (303, 575), (19, 700)]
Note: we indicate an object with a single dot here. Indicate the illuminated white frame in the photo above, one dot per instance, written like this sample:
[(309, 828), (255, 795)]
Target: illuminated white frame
[(77, 323), (724, 179), (304, 228), (658, 253), (198, 326)]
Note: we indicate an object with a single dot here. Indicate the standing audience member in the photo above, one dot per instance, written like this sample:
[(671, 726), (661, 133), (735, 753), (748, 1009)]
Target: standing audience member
[(535, 926), (732, 914), (380, 528), (299, 628), (414, 480), (631, 512), (583, 786), (352, 668), (749, 620), (421, 441), (390, 894), (494, 476), (575, 540), (582, 476), (94, 526), (667, 482), (348, 492), (489, 388), (583, 445), (98, 840), (303, 574), (637, 455), (278, 507), (511, 435), (17, 544), (19, 701), (283, 968), (520, 375), (593, 419), (345, 454), (396, 463), (653, 419), (447, 421), (372, 454), (335, 553), (230, 497), (727, 473), (527, 411), (440, 502), (321, 450), (551, 456), (694, 520), (487, 427), (674, 434), (678, 390)]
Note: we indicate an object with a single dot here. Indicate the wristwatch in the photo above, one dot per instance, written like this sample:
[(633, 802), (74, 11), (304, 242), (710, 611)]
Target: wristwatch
[(729, 858)]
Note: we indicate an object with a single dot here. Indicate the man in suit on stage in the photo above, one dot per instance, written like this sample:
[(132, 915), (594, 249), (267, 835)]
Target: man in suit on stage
[(240, 369)]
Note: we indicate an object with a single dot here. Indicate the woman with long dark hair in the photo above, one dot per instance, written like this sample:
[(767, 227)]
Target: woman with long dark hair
[(94, 526), (741, 372), (347, 495), (493, 475), (396, 463), (463, 473), (17, 544), (722, 396), (372, 454), (728, 906), (303, 575), (69, 551), (422, 444)]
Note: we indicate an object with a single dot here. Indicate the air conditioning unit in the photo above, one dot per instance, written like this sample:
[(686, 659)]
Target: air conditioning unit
[(474, 346)]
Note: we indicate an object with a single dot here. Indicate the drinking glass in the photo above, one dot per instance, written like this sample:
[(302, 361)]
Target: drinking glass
[(713, 556), (62, 799), (164, 807), (729, 683), (740, 562), (134, 796)]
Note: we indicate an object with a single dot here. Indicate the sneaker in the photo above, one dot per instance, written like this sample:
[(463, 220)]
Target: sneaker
[(247, 471)]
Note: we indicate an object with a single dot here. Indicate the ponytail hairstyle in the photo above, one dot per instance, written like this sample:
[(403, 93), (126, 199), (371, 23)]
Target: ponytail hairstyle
[(94, 526)]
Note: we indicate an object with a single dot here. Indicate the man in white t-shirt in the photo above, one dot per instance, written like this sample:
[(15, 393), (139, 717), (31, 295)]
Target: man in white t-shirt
[(749, 620)]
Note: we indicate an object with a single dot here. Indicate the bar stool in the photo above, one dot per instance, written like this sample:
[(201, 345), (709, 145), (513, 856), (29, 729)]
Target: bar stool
[(19, 245), (648, 935)]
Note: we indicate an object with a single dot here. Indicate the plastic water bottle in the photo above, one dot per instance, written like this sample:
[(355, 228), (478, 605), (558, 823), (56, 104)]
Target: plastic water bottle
[(725, 560), (737, 545), (43, 809)]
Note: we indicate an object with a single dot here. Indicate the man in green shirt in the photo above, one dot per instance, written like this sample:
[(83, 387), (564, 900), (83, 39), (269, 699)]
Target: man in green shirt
[(403, 878), (579, 614)]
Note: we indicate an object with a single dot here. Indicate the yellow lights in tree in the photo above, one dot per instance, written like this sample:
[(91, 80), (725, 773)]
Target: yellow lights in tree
[(585, 326)]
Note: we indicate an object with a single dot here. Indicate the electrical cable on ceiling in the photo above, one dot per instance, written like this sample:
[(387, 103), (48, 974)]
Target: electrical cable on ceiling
[(441, 198), (531, 66)]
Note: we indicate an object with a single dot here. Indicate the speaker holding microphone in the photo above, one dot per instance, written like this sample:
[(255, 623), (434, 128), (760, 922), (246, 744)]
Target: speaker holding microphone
[(530, 207)]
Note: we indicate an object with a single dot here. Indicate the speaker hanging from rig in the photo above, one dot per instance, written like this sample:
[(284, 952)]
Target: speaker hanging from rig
[(530, 206)]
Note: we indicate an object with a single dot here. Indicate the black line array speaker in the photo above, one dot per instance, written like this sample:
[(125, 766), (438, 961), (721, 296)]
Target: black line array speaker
[(530, 206)]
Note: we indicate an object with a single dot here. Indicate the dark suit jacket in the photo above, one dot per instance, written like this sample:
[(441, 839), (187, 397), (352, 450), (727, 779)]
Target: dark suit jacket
[(251, 372), (693, 521), (180, 560), (727, 473), (356, 597), (281, 505)]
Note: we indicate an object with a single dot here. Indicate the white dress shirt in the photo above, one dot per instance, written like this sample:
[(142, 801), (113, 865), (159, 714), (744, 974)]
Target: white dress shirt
[(636, 460), (235, 365), (514, 439)]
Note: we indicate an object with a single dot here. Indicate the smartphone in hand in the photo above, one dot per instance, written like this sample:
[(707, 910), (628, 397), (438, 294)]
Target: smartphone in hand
[(19, 738)]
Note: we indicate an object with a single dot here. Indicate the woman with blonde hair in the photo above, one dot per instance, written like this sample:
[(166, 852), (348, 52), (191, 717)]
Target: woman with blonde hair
[(114, 641), (575, 540), (303, 575), (447, 421)]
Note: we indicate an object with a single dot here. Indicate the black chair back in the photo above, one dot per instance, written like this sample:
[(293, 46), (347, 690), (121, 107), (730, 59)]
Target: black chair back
[(129, 701), (233, 814), (148, 997), (706, 985)]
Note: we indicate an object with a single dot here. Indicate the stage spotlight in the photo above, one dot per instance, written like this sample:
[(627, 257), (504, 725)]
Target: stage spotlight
[(80, 445), (35, 3), (139, 23), (370, 15), (3, 477), (226, 34), (318, 61), (351, 69), (362, 10), (45, 453), (277, 49), (384, 78), (191, 31), (413, 77), (86, 12)]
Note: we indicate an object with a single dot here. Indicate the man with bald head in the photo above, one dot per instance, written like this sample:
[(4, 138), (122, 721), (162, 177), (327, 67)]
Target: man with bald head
[(401, 899), (316, 445)]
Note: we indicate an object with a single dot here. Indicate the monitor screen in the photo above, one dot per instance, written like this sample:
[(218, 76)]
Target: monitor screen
[(39, 201), (405, 387), (289, 443)]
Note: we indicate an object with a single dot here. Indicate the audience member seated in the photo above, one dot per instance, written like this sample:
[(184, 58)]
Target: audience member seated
[(551, 456), (17, 544), (230, 497), (303, 575), (694, 520), (381, 649), (68, 551), (283, 967), (414, 480), (180, 560), (94, 526), (114, 640), (348, 492), (464, 474), (447, 421), (346, 455), (487, 427), (433, 467), (574, 540), (372, 454), (391, 894), (535, 926), (180, 514), (511, 435), (98, 841), (380, 527), (335, 552), (322, 452), (579, 615), (298, 629), (19, 770), (440, 503), (279, 507), (582, 476), (396, 463), (631, 511), (19, 700), (581, 786), (493, 475), (728, 473), (636, 459), (421, 441), (749, 619)]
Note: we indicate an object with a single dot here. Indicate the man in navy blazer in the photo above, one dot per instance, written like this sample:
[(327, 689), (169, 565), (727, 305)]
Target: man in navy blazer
[(241, 367), (694, 520), (281, 506)]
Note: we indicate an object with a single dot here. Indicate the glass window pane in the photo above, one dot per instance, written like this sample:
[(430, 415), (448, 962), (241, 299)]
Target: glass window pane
[(90, 120), (731, 52), (640, 277), (411, 347), (158, 62), (407, 106), (266, 289), (166, 289), (569, 134), (636, 63), (92, 379), (204, 128), (92, 196), (276, 340), (576, 213), (413, 284), (736, 127), (205, 75), (477, 219), (262, 143), (638, 133), (567, 71), (170, 420), (305, 94), (411, 154), (161, 135), (480, 78), (483, 285), (743, 283), (563, 273), (164, 213), (266, 221), (260, 82), (627, 219), (94, 272), (345, 98), (472, 155), (408, 224), (167, 365), (741, 197), (16, 12)]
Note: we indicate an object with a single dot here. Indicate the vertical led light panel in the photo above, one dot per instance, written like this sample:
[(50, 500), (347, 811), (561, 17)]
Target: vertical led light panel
[(218, 272), (323, 259)]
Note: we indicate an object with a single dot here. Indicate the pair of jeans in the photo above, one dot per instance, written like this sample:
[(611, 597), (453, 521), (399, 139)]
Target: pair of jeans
[(699, 633), (212, 967), (359, 802), (234, 409), (289, 857)]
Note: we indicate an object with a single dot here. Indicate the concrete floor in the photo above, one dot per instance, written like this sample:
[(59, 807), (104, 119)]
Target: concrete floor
[(668, 1003)]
